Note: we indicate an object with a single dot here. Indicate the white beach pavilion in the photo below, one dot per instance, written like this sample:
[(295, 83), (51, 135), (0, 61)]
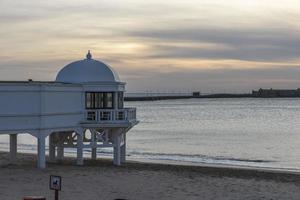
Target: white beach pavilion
[(82, 108)]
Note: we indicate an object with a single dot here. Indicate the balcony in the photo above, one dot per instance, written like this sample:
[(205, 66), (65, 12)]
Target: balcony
[(110, 116)]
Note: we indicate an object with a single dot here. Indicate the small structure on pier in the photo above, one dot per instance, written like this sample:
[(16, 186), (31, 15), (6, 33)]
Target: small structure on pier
[(82, 108)]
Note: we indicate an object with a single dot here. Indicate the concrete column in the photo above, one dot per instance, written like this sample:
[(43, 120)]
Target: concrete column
[(117, 150), (80, 148), (41, 162), (123, 150), (60, 152), (60, 148), (13, 147), (94, 153), (51, 149), (94, 144)]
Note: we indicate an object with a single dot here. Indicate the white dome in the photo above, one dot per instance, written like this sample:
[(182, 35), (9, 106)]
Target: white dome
[(87, 70)]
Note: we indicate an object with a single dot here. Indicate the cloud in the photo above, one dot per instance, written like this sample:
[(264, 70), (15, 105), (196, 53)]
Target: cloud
[(154, 44), (256, 44)]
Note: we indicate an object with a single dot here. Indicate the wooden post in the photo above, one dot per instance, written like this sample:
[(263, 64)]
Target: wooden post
[(56, 194)]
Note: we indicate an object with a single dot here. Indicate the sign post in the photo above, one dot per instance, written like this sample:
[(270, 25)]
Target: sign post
[(55, 184)]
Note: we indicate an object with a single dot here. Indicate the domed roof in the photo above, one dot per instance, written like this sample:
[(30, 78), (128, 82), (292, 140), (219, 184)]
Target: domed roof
[(87, 70)]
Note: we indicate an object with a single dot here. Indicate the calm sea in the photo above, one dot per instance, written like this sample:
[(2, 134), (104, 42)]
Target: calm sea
[(247, 132)]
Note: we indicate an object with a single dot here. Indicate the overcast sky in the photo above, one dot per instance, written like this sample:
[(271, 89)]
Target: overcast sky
[(170, 45)]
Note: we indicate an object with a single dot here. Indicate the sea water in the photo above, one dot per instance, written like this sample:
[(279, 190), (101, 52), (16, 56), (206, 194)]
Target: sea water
[(241, 131), (244, 131)]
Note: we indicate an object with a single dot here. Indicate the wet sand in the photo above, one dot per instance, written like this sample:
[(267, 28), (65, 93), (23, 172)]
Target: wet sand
[(101, 180)]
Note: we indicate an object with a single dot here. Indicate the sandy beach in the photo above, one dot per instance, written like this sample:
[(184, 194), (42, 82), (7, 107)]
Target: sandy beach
[(101, 180)]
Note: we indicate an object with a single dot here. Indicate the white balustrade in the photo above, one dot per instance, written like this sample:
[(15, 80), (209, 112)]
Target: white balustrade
[(110, 115)]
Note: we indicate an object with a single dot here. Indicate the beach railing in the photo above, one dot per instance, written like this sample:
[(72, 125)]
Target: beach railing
[(110, 115)]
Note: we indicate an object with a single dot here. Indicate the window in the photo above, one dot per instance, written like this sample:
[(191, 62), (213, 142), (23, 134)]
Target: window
[(108, 100), (88, 100), (99, 100), (91, 116)]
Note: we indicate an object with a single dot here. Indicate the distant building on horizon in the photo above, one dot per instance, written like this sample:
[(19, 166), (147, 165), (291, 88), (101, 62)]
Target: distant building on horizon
[(269, 93)]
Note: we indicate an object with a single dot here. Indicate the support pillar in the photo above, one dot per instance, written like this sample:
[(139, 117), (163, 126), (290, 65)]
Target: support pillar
[(80, 148), (60, 148), (60, 152), (94, 145), (51, 149), (123, 149), (13, 147), (94, 153), (41, 162), (117, 150)]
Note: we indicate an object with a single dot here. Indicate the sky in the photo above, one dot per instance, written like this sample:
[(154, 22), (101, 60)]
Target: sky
[(157, 46)]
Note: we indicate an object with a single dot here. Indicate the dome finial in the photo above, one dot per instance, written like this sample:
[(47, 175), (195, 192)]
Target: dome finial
[(89, 55)]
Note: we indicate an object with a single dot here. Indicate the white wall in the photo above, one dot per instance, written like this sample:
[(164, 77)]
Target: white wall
[(62, 106), (27, 106), (19, 100)]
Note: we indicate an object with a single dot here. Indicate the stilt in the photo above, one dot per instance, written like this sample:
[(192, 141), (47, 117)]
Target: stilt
[(51, 149), (94, 153), (60, 149), (41, 162), (117, 150), (13, 147), (60, 152), (79, 148), (94, 145), (123, 149)]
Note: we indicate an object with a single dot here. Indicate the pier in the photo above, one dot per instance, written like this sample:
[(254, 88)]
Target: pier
[(170, 96)]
